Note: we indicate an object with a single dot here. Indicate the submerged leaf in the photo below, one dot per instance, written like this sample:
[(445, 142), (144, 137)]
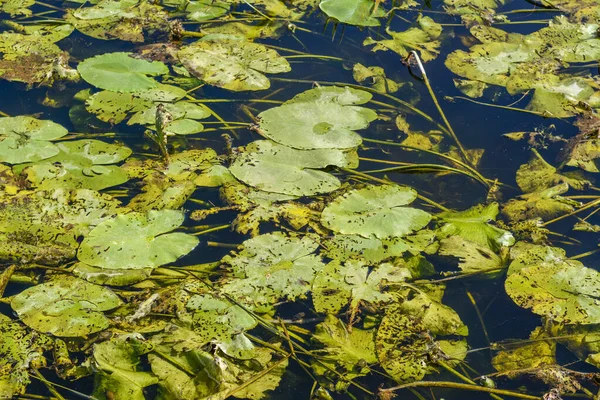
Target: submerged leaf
[(532, 354), (271, 167), (119, 72), (538, 175), (545, 204), (375, 212), (137, 240), (422, 39), (235, 65), (117, 364), (65, 307)]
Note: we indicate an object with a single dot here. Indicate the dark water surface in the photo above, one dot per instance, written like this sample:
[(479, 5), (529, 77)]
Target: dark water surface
[(477, 126)]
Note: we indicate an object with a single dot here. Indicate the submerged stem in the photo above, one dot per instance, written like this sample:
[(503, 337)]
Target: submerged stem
[(463, 386)]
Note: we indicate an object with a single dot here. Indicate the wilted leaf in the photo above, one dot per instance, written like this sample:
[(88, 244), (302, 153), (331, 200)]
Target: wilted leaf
[(374, 77), (272, 267), (472, 257), (538, 175), (532, 354), (232, 64), (545, 204)]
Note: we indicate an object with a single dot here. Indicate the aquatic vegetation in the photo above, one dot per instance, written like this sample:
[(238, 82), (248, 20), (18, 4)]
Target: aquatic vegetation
[(194, 204)]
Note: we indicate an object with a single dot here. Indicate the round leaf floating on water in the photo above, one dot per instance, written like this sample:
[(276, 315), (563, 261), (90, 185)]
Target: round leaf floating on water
[(81, 164), (352, 12), (233, 64), (26, 139), (375, 211), (322, 123), (137, 240), (65, 307), (121, 73), (564, 290), (272, 167)]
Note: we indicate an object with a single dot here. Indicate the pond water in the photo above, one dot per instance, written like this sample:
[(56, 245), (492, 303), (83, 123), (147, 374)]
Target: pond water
[(306, 199)]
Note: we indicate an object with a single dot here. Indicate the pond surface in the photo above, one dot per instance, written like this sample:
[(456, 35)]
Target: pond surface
[(299, 199)]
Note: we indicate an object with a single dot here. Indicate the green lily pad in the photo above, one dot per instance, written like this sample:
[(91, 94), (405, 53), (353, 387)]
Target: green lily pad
[(352, 12), (321, 124), (205, 10), (65, 307), (271, 167), (184, 115), (232, 64), (564, 290), (80, 164), (117, 366), (272, 267), (375, 212), (119, 19), (422, 39), (119, 72), (474, 225), (20, 350), (353, 283), (26, 139), (137, 241)]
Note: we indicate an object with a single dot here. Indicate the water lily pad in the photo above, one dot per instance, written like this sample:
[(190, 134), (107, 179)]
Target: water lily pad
[(472, 257), (272, 267), (33, 59), (16, 7), (324, 123), (375, 211), (26, 139), (119, 72), (474, 225), (352, 12), (117, 367), (353, 283), (535, 354), (44, 226), (137, 240), (271, 167), (65, 307), (372, 250), (232, 64), (183, 114), (205, 10), (119, 19), (80, 164), (564, 290), (422, 39), (375, 78), (110, 277), (20, 350)]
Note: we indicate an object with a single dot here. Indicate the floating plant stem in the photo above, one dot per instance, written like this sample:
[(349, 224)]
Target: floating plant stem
[(586, 254), (585, 207), (215, 229), (479, 316), (314, 56), (454, 385), (461, 149), (425, 168), (481, 103)]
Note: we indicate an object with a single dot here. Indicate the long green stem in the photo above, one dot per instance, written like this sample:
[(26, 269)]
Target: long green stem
[(461, 149), (481, 103), (424, 168), (585, 207), (210, 230), (463, 386)]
